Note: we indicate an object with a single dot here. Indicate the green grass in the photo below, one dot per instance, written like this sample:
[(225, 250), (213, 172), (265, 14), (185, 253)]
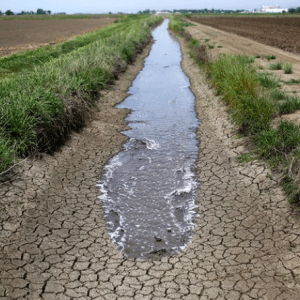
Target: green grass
[(276, 66), (219, 46), (38, 110), (269, 57), (268, 81), (291, 82), (291, 189), (289, 106), (210, 46), (257, 56), (276, 143), (288, 68), (206, 40), (245, 158)]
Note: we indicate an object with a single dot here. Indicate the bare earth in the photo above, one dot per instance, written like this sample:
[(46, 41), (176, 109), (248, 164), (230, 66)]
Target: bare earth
[(20, 35), (54, 245)]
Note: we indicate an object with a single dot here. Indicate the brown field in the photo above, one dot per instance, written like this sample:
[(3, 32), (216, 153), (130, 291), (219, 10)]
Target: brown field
[(20, 35), (283, 32)]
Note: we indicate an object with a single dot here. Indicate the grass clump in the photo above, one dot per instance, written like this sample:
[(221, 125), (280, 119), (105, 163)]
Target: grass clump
[(257, 56), (268, 81), (245, 158), (278, 142), (269, 57), (276, 66), (291, 81), (210, 46), (289, 106), (219, 46), (288, 68), (290, 187)]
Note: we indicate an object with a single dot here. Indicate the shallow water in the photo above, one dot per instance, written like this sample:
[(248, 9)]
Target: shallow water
[(148, 190)]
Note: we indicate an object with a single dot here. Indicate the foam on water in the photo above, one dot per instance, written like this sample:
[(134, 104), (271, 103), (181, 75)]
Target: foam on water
[(148, 190)]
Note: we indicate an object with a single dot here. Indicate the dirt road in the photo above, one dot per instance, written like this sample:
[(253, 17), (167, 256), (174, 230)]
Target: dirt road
[(20, 35), (54, 245)]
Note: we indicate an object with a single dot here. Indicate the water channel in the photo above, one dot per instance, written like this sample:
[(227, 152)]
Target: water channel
[(148, 190)]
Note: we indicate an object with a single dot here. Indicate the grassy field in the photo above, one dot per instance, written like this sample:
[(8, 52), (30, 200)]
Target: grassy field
[(40, 105), (254, 99)]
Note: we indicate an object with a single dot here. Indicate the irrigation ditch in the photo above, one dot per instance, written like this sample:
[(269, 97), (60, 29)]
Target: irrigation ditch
[(55, 244)]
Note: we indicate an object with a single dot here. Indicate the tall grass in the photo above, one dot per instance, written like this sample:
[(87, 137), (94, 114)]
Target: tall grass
[(42, 103)]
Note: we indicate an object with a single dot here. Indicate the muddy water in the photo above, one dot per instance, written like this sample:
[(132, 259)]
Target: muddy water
[(148, 191)]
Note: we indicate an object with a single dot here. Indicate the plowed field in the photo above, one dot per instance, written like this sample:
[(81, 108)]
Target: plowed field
[(280, 32), (18, 35)]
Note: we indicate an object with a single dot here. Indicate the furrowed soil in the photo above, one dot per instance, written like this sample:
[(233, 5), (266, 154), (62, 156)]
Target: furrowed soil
[(281, 32), (54, 244), (20, 35)]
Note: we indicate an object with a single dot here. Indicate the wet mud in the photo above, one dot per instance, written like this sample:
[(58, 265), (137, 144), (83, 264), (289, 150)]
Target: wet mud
[(148, 191)]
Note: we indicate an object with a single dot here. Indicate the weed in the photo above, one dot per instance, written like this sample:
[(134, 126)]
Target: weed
[(276, 66), (194, 43), (245, 158), (210, 46), (267, 80), (206, 40), (275, 143), (290, 187), (291, 81), (260, 67), (269, 57), (257, 56), (278, 95), (219, 46), (288, 68), (292, 104)]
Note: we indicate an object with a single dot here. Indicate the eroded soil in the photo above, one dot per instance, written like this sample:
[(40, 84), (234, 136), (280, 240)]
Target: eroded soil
[(280, 32), (21, 35), (54, 244)]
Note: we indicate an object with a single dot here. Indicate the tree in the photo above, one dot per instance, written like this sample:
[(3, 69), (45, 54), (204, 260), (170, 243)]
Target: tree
[(9, 13), (298, 10), (292, 10), (40, 11), (49, 12), (0, 12)]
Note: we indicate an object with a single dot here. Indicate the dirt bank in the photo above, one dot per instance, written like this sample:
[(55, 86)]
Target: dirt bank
[(21, 35), (280, 32), (54, 245)]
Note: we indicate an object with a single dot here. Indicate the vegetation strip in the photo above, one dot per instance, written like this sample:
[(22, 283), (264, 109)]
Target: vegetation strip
[(254, 100), (38, 111)]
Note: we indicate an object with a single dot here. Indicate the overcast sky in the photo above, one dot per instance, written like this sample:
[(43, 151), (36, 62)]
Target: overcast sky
[(98, 6)]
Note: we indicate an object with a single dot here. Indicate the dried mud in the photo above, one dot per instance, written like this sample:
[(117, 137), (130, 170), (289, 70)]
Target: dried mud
[(21, 35), (54, 244), (282, 32)]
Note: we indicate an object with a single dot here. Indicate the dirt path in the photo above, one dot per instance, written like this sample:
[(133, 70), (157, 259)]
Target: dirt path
[(54, 245)]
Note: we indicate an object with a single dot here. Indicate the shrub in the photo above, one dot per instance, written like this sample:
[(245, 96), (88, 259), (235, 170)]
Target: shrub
[(288, 68), (267, 80), (269, 57), (276, 66)]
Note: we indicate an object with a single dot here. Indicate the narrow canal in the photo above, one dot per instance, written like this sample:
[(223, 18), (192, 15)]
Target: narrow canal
[(148, 190)]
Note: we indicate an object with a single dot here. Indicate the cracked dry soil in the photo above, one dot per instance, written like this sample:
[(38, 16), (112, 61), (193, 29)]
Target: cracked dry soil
[(54, 244)]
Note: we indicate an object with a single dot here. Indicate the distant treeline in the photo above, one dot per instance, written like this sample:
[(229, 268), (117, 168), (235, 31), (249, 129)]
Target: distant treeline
[(39, 11)]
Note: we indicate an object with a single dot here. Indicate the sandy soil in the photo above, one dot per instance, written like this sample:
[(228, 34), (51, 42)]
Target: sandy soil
[(280, 32), (20, 35), (54, 244)]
